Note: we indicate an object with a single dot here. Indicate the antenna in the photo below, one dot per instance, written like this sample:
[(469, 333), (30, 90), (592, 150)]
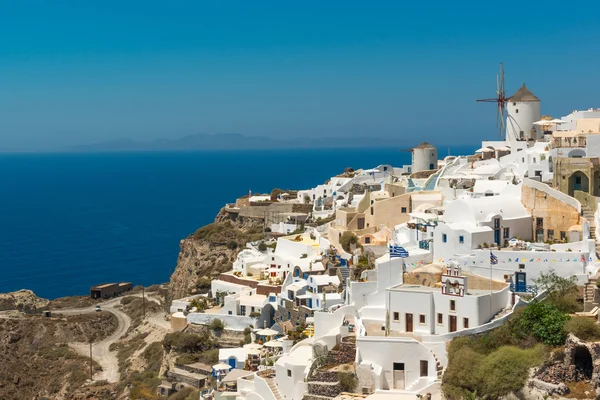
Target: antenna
[(500, 101)]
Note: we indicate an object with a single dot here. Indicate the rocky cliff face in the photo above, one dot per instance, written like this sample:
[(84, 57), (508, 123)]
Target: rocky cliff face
[(210, 251), (22, 300)]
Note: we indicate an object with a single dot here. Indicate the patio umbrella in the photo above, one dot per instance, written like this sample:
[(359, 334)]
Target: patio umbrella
[(274, 343), (267, 332), (253, 346), (221, 366)]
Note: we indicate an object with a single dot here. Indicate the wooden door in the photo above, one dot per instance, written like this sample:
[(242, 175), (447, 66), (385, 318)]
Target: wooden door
[(424, 368), (399, 380), (452, 323), (409, 322)]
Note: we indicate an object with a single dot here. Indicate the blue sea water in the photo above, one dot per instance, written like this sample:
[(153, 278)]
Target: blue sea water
[(70, 221)]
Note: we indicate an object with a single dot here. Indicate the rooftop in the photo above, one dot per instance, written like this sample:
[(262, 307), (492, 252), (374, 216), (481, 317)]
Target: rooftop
[(523, 95)]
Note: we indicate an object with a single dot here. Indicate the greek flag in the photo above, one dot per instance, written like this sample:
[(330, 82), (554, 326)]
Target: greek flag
[(493, 259), (398, 251)]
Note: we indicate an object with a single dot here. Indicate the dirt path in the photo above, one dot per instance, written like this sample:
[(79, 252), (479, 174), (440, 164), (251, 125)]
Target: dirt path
[(100, 350)]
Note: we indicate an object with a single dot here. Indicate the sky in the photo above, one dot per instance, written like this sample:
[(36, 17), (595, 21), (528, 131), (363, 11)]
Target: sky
[(74, 72)]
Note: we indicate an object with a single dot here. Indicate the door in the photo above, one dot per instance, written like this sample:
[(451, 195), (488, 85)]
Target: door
[(520, 282), (497, 236), (398, 375), (452, 323), (232, 362), (409, 322), (424, 368)]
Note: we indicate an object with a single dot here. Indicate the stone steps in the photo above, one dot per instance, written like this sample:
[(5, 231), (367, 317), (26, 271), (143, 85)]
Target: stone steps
[(273, 387)]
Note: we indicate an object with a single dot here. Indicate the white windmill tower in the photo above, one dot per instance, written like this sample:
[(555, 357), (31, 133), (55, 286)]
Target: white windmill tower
[(523, 109)]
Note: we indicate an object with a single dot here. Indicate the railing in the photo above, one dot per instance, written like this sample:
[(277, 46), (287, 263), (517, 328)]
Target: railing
[(528, 289), (424, 244)]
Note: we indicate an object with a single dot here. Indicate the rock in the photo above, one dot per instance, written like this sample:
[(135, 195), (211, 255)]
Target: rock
[(210, 255), (22, 300)]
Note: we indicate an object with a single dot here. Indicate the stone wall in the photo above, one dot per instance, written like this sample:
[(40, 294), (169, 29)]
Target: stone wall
[(347, 352), (328, 389), (266, 290), (302, 208), (296, 314), (556, 214), (587, 200), (240, 281)]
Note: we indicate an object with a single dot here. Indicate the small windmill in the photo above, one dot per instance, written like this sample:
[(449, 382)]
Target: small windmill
[(500, 101)]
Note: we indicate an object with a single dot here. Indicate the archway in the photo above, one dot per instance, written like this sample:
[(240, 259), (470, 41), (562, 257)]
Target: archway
[(578, 181), (583, 362)]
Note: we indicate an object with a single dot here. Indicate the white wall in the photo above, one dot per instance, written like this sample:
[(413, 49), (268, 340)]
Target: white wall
[(528, 113), (384, 351), (232, 322)]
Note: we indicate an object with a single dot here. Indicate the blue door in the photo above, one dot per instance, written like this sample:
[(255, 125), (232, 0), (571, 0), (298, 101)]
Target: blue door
[(520, 282), (232, 362), (497, 236)]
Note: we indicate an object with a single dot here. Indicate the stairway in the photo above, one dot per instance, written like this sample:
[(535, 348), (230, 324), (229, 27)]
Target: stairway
[(588, 294), (430, 185), (588, 214), (273, 387), (345, 272)]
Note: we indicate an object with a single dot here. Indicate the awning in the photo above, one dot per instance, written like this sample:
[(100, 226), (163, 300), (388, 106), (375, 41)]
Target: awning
[(484, 150), (221, 366), (267, 332)]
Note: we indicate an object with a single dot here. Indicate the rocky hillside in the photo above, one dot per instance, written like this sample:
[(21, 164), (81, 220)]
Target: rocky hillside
[(211, 250), (23, 300)]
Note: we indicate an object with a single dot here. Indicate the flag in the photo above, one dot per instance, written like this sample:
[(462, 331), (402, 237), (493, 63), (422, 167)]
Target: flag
[(398, 251), (493, 259)]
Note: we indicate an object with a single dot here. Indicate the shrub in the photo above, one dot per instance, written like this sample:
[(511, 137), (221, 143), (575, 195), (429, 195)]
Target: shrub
[(348, 381), (210, 356), (583, 328), (187, 342), (254, 314), (262, 247), (232, 245), (348, 239), (203, 283), (562, 292), (545, 322), (217, 325)]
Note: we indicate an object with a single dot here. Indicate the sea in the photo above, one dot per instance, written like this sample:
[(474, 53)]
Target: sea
[(70, 221)]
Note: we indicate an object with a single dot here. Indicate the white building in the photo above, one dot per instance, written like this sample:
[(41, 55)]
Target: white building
[(523, 109)]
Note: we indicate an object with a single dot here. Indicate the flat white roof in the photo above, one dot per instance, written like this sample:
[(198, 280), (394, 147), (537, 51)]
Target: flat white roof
[(254, 300), (324, 279), (240, 353)]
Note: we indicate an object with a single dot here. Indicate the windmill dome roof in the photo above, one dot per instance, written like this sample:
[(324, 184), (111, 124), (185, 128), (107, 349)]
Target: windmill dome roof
[(523, 95), (425, 145)]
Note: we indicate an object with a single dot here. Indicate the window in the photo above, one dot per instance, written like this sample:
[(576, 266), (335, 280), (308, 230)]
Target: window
[(452, 305), (521, 266), (496, 223), (290, 373), (371, 210), (516, 110), (461, 239), (229, 312), (431, 166), (466, 323), (506, 234), (550, 234), (367, 240), (444, 238), (563, 236), (539, 222), (396, 316), (403, 210), (578, 180), (534, 160), (440, 319), (422, 319)]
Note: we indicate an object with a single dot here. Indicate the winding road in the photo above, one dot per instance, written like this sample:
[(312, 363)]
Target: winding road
[(101, 350)]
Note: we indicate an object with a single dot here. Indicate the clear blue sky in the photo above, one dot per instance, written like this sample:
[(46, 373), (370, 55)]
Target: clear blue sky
[(82, 71)]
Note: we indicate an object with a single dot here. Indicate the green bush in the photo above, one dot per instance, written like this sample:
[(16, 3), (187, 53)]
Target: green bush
[(545, 322), (348, 239), (262, 247), (188, 342), (496, 374), (203, 282), (347, 381), (217, 325), (562, 292), (583, 328)]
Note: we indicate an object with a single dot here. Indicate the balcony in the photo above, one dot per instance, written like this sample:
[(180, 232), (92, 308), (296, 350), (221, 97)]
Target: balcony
[(532, 289)]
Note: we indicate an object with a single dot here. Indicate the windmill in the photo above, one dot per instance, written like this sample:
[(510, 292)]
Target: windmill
[(500, 100)]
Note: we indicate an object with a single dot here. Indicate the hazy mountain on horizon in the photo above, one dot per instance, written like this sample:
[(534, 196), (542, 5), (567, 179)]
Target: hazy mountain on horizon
[(231, 141)]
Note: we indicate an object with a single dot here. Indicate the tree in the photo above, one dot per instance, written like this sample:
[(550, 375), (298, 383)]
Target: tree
[(217, 325), (348, 239), (545, 322), (562, 292), (306, 199), (262, 247)]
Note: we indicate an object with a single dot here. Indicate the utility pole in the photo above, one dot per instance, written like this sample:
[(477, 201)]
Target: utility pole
[(143, 302), (91, 363)]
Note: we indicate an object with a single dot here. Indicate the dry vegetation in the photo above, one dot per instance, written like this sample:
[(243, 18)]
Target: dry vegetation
[(35, 360)]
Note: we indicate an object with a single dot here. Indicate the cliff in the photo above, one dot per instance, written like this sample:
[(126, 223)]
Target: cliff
[(22, 300), (211, 250)]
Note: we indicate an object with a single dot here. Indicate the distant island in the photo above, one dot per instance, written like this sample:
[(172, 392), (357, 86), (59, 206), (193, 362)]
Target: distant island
[(232, 141)]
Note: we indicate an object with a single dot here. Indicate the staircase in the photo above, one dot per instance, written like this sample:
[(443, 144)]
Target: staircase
[(273, 387), (588, 214), (430, 185), (345, 272), (588, 294), (438, 367)]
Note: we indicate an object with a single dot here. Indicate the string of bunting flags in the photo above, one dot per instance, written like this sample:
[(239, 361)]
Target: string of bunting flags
[(523, 260)]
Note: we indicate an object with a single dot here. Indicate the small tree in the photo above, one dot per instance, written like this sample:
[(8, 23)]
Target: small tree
[(306, 199), (562, 292), (262, 247), (348, 239), (545, 322), (217, 325)]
